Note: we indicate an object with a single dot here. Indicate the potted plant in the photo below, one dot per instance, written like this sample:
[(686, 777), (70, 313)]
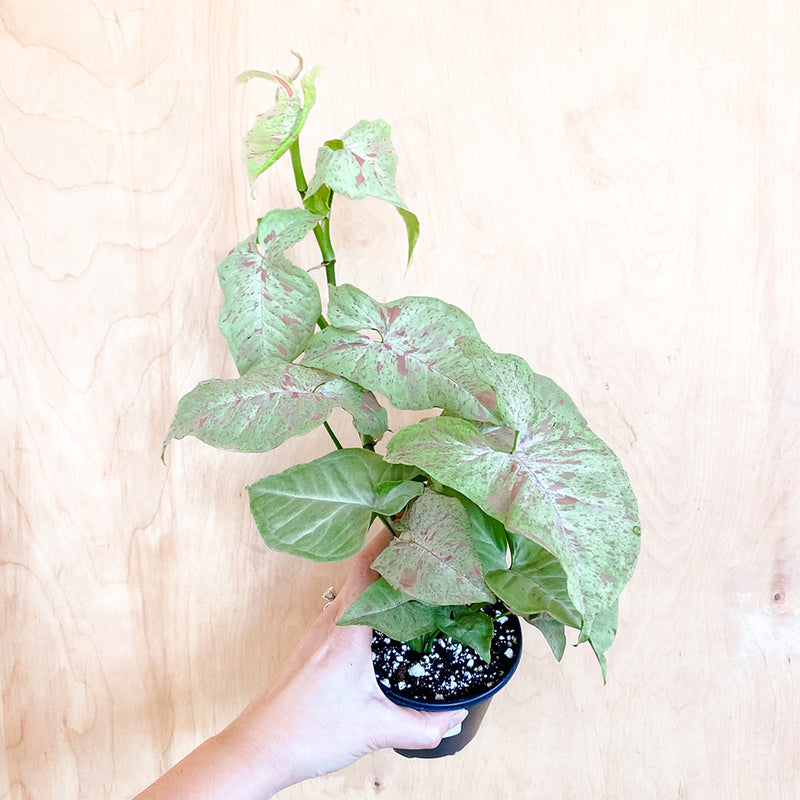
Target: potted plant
[(502, 503)]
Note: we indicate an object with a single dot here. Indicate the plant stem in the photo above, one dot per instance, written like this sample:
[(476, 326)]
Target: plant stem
[(388, 523), (333, 436), (297, 167), (322, 230)]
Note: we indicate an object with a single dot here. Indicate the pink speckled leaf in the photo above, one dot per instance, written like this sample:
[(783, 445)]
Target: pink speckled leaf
[(414, 362), (268, 404), (362, 164), (271, 306), (274, 131), (433, 560), (562, 486)]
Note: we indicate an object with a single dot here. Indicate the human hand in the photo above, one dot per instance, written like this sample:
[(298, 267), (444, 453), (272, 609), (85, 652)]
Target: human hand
[(325, 709), (322, 712)]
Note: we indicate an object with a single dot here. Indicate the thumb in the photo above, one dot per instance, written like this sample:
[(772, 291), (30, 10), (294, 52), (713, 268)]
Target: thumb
[(423, 729)]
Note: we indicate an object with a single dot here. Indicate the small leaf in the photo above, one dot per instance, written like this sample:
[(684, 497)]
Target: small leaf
[(416, 363), (270, 403), (433, 559), (322, 510), (275, 131), (472, 628), (363, 164), (271, 306), (398, 493), (534, 583), (488, 536), (389, 611)]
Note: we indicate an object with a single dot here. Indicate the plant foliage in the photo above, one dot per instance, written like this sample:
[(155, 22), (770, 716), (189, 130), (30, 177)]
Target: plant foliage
[(504, 494)]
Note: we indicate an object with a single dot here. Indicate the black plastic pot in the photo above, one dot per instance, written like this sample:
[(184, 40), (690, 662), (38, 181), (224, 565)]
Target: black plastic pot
[(459, 737)]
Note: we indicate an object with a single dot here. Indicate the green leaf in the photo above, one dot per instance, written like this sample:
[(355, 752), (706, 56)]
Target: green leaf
[(535, 583), (472, 628), (488, 536), (553, 632), (602, 634), (433, 559), (416, 363), (399, 493), (275, 131), (322, 510), (270, 403), (363, 164), (384, 608), (271, 306), (562, 486)]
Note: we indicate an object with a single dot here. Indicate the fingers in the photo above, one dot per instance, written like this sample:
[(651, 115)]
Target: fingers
[(422, 729)]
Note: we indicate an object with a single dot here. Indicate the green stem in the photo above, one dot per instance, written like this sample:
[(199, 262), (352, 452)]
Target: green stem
[(388, 523), (322, 230), (297, 167), (333, 436)]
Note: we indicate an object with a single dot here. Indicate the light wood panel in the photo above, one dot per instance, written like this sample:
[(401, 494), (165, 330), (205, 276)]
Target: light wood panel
[(611, 189)]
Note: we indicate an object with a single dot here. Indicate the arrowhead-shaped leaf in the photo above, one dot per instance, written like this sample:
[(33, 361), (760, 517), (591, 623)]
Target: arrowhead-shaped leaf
[(416, 363), (270, 403), (535, 583), (271, 306), (363, 164), (562, 486), (275, 131), (322, 510), (433, 560), (384, 608)]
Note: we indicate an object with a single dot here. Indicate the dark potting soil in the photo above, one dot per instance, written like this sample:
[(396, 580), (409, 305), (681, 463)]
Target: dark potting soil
[(450, 672)]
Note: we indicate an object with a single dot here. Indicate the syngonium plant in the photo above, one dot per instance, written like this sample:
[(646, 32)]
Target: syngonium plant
[(503, 495)]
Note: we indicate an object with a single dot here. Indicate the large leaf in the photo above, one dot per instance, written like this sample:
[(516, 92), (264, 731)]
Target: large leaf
[(275, 131), (363, 164), (322, 510), (433, 560), (415, 363), (268, 404), (561, 486), (271, 306)]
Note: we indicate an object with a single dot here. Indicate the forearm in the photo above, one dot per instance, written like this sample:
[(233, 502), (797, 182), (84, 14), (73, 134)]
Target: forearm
[(223, 766)]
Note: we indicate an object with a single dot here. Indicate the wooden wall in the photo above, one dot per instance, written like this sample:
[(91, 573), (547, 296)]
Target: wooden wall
[(610, 189)]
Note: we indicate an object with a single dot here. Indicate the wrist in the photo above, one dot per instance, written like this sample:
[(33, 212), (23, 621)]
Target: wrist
[(256, 768)]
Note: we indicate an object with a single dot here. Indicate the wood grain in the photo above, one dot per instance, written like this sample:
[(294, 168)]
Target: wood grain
[(610, 189)]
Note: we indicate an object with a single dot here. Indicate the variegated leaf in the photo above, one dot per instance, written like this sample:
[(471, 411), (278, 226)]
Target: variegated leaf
[(268, 404), (561, 486), (434, 560), (363, 164), (271, 307), (415, 361), (274, 132)]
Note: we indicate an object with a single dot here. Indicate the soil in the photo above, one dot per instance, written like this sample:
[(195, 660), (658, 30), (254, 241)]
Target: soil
[(450, 672)]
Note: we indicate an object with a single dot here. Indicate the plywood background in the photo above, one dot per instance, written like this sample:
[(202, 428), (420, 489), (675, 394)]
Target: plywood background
[(610, 189)]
